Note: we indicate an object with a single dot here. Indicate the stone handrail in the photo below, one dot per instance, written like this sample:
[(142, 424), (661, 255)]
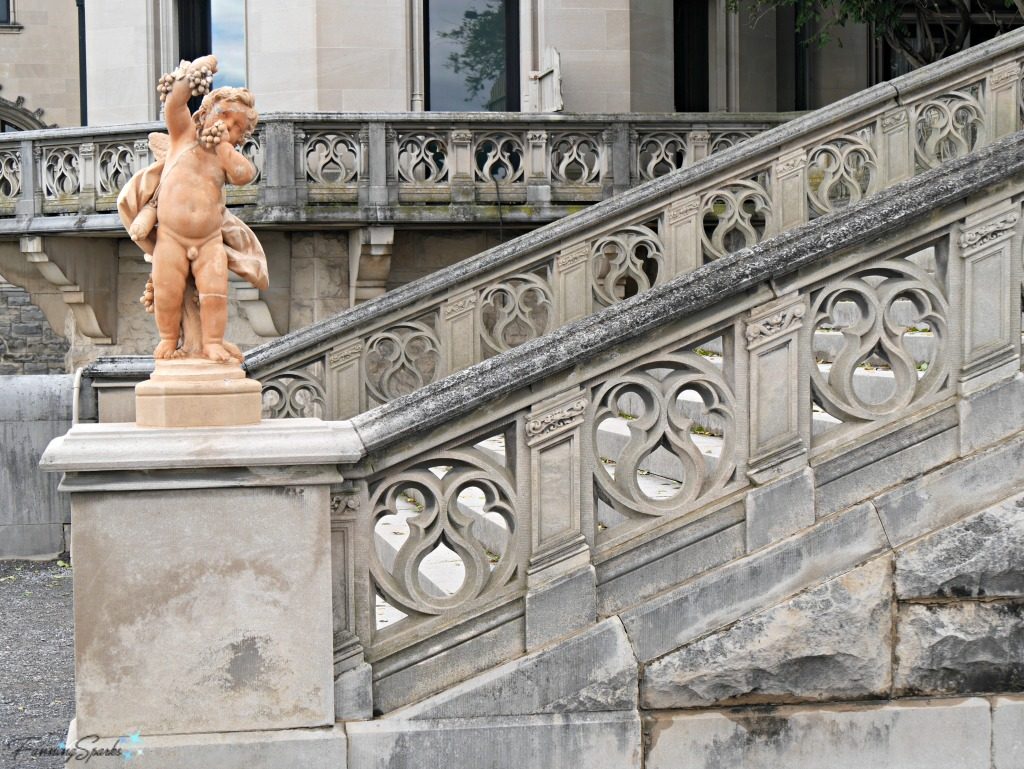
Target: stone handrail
[(367, 167), (809, 167), (527, 469)]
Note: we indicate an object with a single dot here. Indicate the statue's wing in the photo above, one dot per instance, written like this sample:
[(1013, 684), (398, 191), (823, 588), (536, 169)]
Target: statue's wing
[(159, 143)]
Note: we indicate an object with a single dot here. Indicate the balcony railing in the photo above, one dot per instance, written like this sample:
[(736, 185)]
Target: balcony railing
[(382, 167)]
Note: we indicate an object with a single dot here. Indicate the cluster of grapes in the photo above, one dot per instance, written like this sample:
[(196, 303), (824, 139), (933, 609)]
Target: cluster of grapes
[(199, 79), (211, 135), (147, 296)]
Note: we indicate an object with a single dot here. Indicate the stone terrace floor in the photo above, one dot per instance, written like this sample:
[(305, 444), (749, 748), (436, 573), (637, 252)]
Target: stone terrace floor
[(37, 673)]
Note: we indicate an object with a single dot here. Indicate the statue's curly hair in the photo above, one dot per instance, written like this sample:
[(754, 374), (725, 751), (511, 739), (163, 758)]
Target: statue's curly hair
[(241, 96)]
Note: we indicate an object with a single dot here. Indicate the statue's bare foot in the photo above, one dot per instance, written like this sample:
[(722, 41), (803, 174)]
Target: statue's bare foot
[(236, 354), (216, 352), (166, 349)]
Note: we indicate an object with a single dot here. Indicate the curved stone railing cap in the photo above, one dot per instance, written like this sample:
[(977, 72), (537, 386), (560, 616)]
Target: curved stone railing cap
[(886, 212), (575, 225)]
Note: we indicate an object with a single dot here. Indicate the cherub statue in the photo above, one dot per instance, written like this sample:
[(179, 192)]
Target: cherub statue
[(175, 211)]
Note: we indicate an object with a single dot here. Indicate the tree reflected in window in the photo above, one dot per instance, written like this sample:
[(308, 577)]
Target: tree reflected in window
[(472, 55)]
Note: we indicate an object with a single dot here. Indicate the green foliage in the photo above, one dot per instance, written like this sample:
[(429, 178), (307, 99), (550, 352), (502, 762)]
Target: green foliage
[(481, 58), (943, 24)]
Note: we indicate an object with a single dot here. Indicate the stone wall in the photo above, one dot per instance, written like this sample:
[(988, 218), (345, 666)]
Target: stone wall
[(33, 514), (27, 343)]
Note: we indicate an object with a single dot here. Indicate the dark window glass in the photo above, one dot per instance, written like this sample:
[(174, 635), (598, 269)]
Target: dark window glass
[(692, 77), (5, 11), (6, 127), (472, 55)]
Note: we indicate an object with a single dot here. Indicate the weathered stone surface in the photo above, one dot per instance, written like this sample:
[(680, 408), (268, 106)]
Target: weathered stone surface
[(980, 556), (780, 508), (724, 595), (991, 415), (561, 607), (642, 571), (353, 694), (1008, 732), (307, 748), (592, 740), (864, 471), (829, 642), (22, 540), (448, 661), (938, 498), (960, 648), (593, 671), (951, 734), (205, 610)]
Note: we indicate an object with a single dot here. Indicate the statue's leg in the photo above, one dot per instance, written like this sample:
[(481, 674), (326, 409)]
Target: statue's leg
[(211, 273), (170, 269)]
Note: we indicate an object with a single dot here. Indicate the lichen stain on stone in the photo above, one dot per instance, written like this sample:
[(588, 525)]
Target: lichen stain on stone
[(248, 666)]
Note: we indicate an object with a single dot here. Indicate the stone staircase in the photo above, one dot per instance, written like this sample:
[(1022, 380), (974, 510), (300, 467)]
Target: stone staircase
[(764, 513)]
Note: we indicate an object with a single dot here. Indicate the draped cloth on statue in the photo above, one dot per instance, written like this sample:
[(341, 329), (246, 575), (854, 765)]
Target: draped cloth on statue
[(245, 254)]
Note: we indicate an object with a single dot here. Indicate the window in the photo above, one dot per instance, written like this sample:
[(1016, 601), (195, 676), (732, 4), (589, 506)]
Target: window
[(472, 55), (5, 12), (692, 76)]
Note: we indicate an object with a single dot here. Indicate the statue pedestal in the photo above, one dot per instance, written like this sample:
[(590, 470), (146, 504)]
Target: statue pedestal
[(203, 611), (194, 392)]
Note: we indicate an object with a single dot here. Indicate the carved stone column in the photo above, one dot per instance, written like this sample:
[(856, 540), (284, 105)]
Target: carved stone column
[(699, 142), (1003, 97), (790, 190), (561, 583), (463, 188), (572, 282), (87, 177), (682, 236), (460, 337), (279, 157), (988, 247), (353, 686), (779, 409), (538, 168), (897, 150), (345, 390)]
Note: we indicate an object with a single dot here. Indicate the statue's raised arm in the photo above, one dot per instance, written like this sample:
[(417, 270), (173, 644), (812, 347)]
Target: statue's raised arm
[(191, 78)]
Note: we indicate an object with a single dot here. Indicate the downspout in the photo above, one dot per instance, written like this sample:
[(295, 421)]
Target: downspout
[(83, 102)]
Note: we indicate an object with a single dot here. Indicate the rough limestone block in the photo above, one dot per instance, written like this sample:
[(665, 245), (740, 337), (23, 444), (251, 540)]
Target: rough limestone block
[(945, 495), (960, 648), (309, 748), (951, 734), (980, 556), (592, 740), (593, 671), (219, 614), (777, 510), (829, 642), (726, 594), (353, 694), (1008, 733), (561, 607), (991, 415)]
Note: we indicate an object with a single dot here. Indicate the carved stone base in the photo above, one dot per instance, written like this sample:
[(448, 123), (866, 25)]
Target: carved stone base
[(197, 393)]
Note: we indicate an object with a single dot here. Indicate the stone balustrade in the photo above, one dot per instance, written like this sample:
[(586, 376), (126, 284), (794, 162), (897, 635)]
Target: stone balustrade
[(514, 501), (810, 167), (393, 168)]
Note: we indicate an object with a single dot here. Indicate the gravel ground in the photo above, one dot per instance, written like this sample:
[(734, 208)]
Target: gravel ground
[(37, 670)]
